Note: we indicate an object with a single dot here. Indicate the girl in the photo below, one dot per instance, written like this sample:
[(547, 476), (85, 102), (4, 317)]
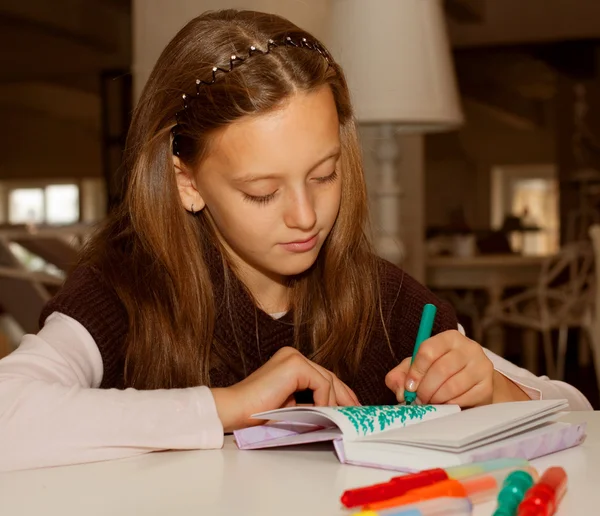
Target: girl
[(236, 273)]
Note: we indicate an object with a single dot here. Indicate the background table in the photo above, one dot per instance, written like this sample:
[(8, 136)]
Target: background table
[(303, 481), (492, 274)]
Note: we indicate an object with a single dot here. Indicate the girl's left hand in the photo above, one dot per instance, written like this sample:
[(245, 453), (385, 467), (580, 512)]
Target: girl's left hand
[(450, 368)]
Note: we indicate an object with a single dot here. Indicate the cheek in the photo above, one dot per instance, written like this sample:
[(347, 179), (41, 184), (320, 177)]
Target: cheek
[(243, 224), (329, 205)]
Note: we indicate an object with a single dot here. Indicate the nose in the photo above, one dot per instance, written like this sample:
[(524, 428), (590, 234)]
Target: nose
[(300, 211)]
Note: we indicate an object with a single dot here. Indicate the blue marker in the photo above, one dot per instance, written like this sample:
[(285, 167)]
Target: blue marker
[(436, 507), (423, 334)]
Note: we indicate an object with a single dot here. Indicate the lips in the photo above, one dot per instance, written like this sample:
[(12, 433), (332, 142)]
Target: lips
[(301, 246), (306, 240)]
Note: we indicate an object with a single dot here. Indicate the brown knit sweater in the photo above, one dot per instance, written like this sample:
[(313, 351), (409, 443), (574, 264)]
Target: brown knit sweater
[(87, 298)]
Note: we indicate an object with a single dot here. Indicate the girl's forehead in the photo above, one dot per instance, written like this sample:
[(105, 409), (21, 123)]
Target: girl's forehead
[(305, 126)]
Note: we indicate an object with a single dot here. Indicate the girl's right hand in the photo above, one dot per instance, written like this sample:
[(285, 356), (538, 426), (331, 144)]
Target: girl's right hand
[(273, 385)]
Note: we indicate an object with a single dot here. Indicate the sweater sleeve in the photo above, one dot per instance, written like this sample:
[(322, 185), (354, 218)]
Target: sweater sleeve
[(52, 413), (87, 298)]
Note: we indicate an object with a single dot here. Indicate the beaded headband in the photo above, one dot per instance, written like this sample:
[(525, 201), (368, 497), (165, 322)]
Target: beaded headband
[(236, 60)]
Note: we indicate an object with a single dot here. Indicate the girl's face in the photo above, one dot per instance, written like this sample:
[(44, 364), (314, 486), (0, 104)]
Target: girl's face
[(272, 185)]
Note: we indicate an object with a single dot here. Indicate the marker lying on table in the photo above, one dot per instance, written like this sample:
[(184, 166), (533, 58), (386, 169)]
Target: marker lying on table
[(425, 329), (437, 507), (512, 492), (545, 496), (400, 485), (478, 489)]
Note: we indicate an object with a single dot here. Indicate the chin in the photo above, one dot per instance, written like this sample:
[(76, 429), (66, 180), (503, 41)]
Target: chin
[(293, 266)]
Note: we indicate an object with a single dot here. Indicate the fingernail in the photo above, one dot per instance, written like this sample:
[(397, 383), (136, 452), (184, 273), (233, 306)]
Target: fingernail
[(411, 385), (418, 401)]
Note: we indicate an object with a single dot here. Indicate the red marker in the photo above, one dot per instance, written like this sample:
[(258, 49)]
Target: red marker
[(545, 496), (397, 486)]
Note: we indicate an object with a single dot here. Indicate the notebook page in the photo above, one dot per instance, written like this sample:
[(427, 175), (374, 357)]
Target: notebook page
[(267, 438), (537, 442), (357, 422), (468, 426), (547, 419)]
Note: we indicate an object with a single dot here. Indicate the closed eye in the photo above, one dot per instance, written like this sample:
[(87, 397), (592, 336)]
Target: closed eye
[(259, 199), (265, 199), (328, 179)]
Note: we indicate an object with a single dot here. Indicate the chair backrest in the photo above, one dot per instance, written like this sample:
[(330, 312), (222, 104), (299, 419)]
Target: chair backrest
[(594, 233), (23, 293), (567, 280), (21, 297), (57, 251), (579, 221)]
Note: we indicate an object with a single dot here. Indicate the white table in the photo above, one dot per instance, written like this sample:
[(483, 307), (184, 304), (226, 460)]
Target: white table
[(493, 273), (300, 481)]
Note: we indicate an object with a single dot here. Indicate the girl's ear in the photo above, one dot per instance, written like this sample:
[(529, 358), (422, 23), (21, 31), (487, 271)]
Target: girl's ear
[(189, 194)]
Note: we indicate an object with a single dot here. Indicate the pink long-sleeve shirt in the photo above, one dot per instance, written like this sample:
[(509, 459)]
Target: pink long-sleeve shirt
[(49, 394)]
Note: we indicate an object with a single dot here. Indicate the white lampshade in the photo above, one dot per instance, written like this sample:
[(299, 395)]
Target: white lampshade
[(397, 59)]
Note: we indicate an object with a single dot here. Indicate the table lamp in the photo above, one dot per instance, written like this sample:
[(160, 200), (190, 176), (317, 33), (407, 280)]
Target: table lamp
[(398, 64)]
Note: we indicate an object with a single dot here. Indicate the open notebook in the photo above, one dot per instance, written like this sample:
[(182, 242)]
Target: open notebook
[(413, 437)]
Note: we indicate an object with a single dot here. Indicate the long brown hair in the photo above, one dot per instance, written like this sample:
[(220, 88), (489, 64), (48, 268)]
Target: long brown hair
[(151, 249)]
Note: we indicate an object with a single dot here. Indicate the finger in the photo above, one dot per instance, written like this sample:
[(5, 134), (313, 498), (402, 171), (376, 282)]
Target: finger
[(455, 387), (352, 394), (332, 395), (344, 395), (329, 377), (396, 377), (478, 395), (305, 376), (290, 402), (329, 392), (354, 397), (428, 353), (440, 372)]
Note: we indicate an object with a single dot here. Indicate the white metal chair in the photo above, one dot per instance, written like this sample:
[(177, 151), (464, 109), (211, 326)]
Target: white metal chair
[(592, 321), (23, 292), (561, 300)]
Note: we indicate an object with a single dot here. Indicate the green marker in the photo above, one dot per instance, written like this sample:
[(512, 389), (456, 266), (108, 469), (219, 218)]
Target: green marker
[(425, 328)]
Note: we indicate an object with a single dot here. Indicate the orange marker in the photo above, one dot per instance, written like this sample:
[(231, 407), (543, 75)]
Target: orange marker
[(478, 489), (446, 488)]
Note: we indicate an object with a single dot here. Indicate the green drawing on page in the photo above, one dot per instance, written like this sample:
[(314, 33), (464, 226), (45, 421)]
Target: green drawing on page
[(367, 420)]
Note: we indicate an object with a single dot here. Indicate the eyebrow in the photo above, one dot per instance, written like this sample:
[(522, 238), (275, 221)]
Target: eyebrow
[(335, 153)]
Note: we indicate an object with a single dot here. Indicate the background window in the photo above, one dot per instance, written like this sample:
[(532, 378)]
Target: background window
[(531, 193), (51, 204), (62, 204), (536, 202), (26, 205)]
